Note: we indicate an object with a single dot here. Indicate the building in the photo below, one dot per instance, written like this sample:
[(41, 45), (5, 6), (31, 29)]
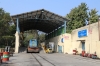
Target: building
[(84, 38)]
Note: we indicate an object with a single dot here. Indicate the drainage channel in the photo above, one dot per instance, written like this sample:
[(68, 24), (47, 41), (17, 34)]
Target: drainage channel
[(42, 61)]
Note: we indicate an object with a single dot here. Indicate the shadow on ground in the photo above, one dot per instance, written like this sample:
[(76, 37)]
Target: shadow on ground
[(22, 49)]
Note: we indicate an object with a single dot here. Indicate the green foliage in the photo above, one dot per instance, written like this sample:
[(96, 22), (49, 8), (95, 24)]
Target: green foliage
[(6, 31), (8, 39), (4, 19), (78, 17), (27, 38), (93, 16), (42, 37), (31, 34), (12, 30)]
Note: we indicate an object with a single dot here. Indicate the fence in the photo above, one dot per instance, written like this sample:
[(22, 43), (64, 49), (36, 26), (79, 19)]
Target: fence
[(55, 33)]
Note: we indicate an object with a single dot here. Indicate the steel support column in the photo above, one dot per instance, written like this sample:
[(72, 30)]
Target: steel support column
[(17, 37), (65, 26), (99, 28)]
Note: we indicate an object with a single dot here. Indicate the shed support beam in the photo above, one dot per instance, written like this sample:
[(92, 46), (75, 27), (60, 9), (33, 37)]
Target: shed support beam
[(65, 26), (17, 37)]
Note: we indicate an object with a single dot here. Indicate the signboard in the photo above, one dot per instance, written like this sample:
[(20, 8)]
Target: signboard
[(66, 37), (83, 33)]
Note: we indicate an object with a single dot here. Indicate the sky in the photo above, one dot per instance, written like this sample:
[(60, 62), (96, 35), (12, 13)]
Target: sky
[(60, 7)]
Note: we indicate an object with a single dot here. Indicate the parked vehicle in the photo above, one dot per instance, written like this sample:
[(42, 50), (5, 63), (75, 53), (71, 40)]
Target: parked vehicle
[(49, 48), (33, 46)]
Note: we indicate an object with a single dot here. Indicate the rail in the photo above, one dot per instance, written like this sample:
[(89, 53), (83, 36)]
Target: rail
[(43, 59)]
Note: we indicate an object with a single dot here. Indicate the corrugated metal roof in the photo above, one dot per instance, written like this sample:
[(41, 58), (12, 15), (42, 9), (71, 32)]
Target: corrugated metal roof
[(42, 20)]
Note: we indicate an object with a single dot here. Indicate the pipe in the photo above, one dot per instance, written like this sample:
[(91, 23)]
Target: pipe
[(99, 29)]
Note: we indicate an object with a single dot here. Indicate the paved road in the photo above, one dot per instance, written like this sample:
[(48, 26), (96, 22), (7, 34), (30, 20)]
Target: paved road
[(56, 59)]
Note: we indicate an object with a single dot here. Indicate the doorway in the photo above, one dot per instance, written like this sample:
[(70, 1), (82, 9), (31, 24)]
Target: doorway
[(59, 49), (83, 46)]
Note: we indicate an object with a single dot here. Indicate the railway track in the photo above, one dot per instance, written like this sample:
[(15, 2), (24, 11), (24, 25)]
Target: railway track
[(42, 61)]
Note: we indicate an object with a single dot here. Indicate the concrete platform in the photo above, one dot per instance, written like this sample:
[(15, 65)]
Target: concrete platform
[(55, 59)]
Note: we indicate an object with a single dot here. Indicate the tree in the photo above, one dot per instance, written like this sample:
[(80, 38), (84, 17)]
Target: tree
[(93, 16), (6, 31), (11, 30), (4, 19), (42, 37), (78, 17), (8, 40), (30, 34)]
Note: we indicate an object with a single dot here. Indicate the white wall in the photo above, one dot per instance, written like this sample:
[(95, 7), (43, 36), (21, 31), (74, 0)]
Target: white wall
[(57, 41)]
